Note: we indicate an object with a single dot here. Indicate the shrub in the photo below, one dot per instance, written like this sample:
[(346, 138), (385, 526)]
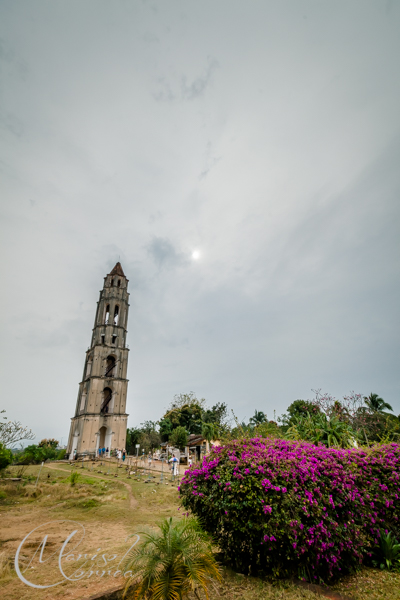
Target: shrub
[(290, 507), (74, 478), (388, 551), (88, 503), (35, 454), (172, 562), (6, 457)]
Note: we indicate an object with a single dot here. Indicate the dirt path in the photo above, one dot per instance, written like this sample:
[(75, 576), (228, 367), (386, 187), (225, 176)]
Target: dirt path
[(132, 500)]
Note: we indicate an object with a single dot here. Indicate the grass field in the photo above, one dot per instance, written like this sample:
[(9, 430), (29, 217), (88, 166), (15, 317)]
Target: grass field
[(111, 509)]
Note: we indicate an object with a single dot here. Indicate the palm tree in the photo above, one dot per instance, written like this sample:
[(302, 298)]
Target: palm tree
[(376, 404), (319, 429), (258, 418), (172, 562), (208, 432)]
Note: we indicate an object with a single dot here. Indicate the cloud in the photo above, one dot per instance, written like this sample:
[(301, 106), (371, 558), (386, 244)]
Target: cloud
[(199, 85), (164, 93), (110, 152), (13, 61), (210, 162), (189, 90), (12, 124), (165, 254), (150, 38)]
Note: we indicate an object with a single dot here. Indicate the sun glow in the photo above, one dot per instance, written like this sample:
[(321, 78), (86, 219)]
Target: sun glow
[(195, 255)]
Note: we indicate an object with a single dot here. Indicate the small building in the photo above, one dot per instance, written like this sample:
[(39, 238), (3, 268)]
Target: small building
[(198, 446)]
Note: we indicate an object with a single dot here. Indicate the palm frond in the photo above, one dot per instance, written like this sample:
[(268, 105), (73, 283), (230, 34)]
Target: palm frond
[(171, 562)]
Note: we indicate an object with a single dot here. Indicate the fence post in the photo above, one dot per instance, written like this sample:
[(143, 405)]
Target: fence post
[(40, 470)]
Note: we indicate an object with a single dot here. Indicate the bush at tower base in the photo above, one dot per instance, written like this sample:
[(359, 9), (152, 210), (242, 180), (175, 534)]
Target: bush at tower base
[(293, 508)]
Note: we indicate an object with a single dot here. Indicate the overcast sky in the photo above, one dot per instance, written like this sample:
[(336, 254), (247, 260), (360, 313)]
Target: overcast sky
[(263, 135)]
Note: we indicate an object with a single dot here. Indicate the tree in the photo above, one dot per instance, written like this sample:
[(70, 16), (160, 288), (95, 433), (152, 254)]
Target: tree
[(376, 404), (12, 432), (166, 429), (34, 454), (178, 437), (51, 443), (217, 414), (149, 441), (258, 418), (185, 411), (172, 562), (320, 429), (297, 409), (190, 399), (132, 438), (148, 426), (146, 435), (370, 423), (6, 457), (208, 432), (268, 429)]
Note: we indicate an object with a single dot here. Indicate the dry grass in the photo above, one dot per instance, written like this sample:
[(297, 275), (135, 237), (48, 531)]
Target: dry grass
[(237, 587), (102, 504), (371, 584), (5, 567)]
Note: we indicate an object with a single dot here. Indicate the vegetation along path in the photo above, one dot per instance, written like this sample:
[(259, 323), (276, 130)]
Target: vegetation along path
[(132, 500)]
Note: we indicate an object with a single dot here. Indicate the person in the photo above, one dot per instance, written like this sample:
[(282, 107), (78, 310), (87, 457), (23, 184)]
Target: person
[(174, 465), (190, 461), (99, 451), (119, 454), (123, 455)]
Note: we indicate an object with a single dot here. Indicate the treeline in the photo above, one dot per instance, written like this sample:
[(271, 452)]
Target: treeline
[(32, 454), (354, 420), (186, 415), (12, 432)]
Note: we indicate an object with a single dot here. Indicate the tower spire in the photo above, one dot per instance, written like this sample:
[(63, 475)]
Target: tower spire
[(117, 270)]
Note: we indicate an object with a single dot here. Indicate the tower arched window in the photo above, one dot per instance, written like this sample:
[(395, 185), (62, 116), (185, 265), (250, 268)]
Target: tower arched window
[(116, 315), (119, 283), (107, 317), (112, 282), (110, 367), (107, 396), (88, 367), (83, 402)]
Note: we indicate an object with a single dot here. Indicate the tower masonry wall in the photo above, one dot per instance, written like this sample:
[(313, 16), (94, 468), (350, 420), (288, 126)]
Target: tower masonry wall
[(100, 415)]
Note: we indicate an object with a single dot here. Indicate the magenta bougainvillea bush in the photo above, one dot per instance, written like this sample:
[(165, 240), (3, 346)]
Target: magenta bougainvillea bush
[(293, 508)]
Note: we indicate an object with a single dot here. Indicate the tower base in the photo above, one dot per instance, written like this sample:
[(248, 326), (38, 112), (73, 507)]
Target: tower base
[(88, 433)]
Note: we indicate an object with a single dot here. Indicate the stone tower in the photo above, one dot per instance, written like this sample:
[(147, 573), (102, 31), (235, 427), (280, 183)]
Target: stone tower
[(100, 419)]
